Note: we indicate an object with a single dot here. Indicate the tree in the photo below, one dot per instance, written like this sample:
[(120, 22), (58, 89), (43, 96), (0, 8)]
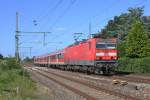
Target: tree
[(1, 56), (146, 21), (27, 59), (137, 41), (120, 25)]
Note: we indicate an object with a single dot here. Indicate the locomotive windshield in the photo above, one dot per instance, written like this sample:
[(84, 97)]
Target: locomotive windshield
[(111, 46), (100, 45), (106, 45)]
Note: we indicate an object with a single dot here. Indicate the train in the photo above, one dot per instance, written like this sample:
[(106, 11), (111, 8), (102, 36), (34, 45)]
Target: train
[(94, 55)]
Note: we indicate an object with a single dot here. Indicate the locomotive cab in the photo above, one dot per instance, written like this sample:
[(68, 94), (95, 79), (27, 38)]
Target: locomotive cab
[(106, 54), (106, 51)]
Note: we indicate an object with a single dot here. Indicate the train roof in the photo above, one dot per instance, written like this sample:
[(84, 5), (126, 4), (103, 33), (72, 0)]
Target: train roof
[(78, 42), (50, 54), (109, 40), (56, 52)]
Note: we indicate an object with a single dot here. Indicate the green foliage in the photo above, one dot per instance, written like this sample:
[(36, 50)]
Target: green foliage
[(137, 41), (15, 83), (120, 25), (136, 65), (1, 56), (121, 49), (9, 63), (146, 21), (28, 60)]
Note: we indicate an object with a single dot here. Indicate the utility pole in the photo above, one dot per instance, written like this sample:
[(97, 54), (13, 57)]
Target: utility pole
[(17, 37), (22, 33), (90, 30), (44, 43)]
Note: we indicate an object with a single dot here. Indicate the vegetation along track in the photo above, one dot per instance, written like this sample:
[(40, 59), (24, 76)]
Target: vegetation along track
[(111, 92)]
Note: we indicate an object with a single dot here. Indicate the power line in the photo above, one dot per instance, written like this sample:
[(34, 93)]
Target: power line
[(107, 8), (140, 3), (64, 12), (40, 18)]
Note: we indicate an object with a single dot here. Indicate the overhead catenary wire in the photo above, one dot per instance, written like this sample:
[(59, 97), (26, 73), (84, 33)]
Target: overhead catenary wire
[(63, 13), (49, 11), (142, 3), (107, 8)]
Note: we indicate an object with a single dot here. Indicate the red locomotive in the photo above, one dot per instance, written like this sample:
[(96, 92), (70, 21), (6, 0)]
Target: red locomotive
[(95, 55)]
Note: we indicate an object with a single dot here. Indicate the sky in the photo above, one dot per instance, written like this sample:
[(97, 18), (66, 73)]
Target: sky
[(62, 18)]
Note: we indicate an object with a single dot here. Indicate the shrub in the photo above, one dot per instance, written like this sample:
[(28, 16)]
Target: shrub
[(15, 83), (136, 65), (121, 48), (9, 63)]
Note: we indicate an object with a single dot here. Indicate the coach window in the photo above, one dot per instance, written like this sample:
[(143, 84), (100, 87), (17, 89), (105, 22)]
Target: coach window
[(61, 56), (53, 57), (49, 58), (58, 56)]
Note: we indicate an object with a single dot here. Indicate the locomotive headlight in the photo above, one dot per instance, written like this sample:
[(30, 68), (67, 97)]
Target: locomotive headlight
[(100, 54), (112, 54)]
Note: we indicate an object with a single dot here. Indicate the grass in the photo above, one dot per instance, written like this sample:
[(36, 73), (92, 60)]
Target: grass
[(15, 83)]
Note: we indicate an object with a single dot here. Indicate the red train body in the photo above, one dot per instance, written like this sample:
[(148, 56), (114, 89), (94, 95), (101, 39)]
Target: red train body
[(93, 55)]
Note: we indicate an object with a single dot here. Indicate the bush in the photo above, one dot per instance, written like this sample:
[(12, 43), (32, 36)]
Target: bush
[(16, 87), (15, 83), (9, 64), (121, 48), (136, 65)]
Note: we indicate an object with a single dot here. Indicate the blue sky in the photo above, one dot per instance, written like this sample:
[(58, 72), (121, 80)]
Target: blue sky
[(61, 17)]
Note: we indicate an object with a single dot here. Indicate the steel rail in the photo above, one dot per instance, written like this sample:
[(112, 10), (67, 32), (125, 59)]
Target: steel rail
[(111, 92), (88, 97)]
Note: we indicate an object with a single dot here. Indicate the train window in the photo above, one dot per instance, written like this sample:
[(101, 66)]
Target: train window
[(53, 57), (111, 46), (60, 56), (49, 58), (101, 45)]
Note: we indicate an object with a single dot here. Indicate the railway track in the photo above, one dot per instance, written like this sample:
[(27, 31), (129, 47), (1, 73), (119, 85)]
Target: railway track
[(88, 97), (111, 92), (123, 77), (129, 78), (91, 85)]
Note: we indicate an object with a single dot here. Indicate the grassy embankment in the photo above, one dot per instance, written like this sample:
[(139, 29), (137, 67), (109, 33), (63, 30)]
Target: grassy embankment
[(15, 83)]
